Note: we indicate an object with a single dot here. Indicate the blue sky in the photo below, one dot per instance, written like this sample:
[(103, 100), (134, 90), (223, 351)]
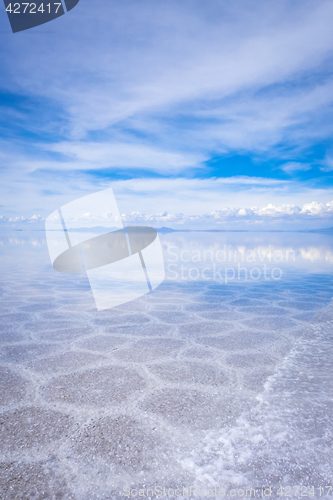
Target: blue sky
[(198, 114)]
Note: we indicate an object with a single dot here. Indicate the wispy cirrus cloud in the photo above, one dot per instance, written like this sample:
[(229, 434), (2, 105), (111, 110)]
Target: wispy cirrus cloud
[(95, 155), (149, 60), (161, 89), (294, 166), (327, 164)]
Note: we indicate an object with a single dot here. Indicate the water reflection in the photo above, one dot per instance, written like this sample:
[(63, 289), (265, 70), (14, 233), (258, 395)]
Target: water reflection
[(245, 256), (290, 252)]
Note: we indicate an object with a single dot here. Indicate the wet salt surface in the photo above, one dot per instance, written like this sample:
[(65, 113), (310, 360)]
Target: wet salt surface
[(199, 383)]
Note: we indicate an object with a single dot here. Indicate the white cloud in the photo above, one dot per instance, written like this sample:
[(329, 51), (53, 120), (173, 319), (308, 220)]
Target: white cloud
[(92, 155), (327, 164), (235, 214), (20, 218), (164, 86), (292, 167), (143, 63), (216, 219), (318, 209), (42, 193)]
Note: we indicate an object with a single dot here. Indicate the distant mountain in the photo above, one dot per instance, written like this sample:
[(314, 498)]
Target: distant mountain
[(169, 230), (322, 230), (166, 230)]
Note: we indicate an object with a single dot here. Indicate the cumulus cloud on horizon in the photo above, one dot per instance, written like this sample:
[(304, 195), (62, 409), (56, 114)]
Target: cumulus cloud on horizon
[(256, 215)]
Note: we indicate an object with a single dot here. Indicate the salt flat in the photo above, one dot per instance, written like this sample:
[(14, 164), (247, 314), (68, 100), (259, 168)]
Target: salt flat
[(198, 383)]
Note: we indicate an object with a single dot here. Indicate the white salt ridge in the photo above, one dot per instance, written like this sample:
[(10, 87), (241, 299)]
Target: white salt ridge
[(287, 438)]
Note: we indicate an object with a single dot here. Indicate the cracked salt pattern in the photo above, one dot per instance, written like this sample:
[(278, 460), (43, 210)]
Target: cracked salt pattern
[(197, 383), (287, 438)]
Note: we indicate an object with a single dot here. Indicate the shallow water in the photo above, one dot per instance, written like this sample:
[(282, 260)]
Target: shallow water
[(221, 378)]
